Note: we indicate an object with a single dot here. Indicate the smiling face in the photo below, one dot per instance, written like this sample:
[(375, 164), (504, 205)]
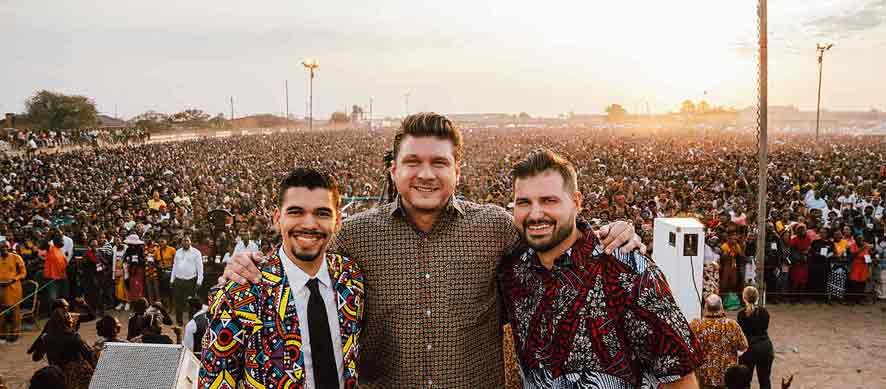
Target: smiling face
[(425, 173), (544, 210), (307, 220)]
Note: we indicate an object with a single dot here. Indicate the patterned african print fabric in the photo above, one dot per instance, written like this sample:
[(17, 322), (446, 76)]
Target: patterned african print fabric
[(837, 280), (254, 337), (711, 280), (595, 320), (432, 313), (721, 339)]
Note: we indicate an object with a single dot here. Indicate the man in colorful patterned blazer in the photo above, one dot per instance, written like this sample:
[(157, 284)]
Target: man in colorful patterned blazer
[(299, 326)]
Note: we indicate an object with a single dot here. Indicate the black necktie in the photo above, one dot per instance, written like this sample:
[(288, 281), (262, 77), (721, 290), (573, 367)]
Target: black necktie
[(322, 354)]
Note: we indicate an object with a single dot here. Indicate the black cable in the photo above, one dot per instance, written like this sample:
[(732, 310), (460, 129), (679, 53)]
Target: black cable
[(694, 283)]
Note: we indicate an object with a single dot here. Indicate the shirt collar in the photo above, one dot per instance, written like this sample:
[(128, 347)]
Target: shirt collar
[(297, 277), (454, 206)]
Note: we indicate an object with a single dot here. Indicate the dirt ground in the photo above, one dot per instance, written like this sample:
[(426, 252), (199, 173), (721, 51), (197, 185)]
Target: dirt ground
[(823, 346)]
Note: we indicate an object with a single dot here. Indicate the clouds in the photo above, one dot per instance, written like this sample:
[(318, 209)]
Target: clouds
[(869, 17), (454, 56)]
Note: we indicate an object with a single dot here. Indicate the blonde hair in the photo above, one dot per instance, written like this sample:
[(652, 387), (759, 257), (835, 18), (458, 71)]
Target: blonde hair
[(749, 295)]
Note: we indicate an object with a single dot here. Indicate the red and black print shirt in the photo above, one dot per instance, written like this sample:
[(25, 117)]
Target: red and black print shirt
[(595, 320)]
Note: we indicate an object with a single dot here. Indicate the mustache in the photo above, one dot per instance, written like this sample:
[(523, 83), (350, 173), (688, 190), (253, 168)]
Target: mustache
[(532, 222), (313, 233)]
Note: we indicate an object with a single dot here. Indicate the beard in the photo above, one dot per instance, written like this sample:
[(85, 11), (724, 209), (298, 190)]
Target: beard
[(561, 233), (309, 256)]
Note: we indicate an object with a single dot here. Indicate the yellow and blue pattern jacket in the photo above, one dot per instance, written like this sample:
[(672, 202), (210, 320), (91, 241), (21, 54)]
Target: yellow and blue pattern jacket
[(253, 336)]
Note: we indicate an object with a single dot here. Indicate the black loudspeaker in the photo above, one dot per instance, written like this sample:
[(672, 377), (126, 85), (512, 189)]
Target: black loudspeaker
[(690, 245), (138, 365)]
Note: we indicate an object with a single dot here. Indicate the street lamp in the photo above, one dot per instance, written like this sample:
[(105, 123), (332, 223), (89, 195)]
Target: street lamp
[(370, 113), (820, 48), (311, 65)]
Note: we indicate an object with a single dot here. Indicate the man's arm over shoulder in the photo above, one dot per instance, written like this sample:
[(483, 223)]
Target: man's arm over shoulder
[(231, 317), (662, 339), (343, 241), (503, 223)]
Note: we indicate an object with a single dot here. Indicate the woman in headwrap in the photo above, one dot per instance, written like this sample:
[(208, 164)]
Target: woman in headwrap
[(135, 259)]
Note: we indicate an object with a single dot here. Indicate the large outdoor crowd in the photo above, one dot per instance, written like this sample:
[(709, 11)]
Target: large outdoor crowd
[(32, 141), (105, 227)]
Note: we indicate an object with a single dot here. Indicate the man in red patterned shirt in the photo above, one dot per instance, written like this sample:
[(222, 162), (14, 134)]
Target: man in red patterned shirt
[(581, 317)]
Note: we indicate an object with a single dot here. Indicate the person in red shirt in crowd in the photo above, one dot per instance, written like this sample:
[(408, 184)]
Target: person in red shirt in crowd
[(799, 244)]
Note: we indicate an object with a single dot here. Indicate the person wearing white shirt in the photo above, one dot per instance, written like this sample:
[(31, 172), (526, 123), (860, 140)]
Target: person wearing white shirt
[(67, 247), (243, 247), (847, 199), (298, 281), (196, 327), (814, 200), (119, 273), (187, 276)]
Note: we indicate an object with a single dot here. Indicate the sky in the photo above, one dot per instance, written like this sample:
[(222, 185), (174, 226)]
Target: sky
[(453, 56)]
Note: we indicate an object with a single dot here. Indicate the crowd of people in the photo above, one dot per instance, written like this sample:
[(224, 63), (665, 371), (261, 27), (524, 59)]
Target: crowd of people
[(32, 141), (132, 227)]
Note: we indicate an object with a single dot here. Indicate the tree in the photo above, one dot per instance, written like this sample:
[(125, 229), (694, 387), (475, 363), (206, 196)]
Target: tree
[(615, 113), (152, 121), (219, 121), (56, 111), (191, 117), (338, 117), (688, 107), (703, 107)]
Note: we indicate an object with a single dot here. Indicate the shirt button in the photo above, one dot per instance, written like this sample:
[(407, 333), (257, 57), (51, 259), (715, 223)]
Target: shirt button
[(428, 312), (429, 347), (427, 275)]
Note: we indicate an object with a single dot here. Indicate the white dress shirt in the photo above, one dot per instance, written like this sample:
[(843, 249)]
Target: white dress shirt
[(191, 329), (68, 247), (188, 264), (118, 257), (242, 247), (298, 280)]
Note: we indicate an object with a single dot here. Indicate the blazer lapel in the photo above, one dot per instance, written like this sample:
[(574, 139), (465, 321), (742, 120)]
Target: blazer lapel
[(285, 339), (349, 303)]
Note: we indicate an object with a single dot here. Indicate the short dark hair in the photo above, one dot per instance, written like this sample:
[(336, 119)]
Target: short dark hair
[(106, 327), (542, 160), (306, 177), (738, 377), (429, 124)]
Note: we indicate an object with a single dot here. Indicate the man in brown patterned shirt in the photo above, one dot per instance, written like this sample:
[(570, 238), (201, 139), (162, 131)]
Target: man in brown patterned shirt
[(433, 316)]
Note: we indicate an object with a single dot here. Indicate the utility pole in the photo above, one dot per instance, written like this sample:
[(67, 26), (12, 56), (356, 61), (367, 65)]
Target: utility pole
[(820, 48), (232, 109), (407, 104), (370, 114), (762, 158)]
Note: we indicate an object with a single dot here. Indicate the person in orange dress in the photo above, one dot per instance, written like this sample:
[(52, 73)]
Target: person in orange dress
[(859, 267), (12, 271)]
